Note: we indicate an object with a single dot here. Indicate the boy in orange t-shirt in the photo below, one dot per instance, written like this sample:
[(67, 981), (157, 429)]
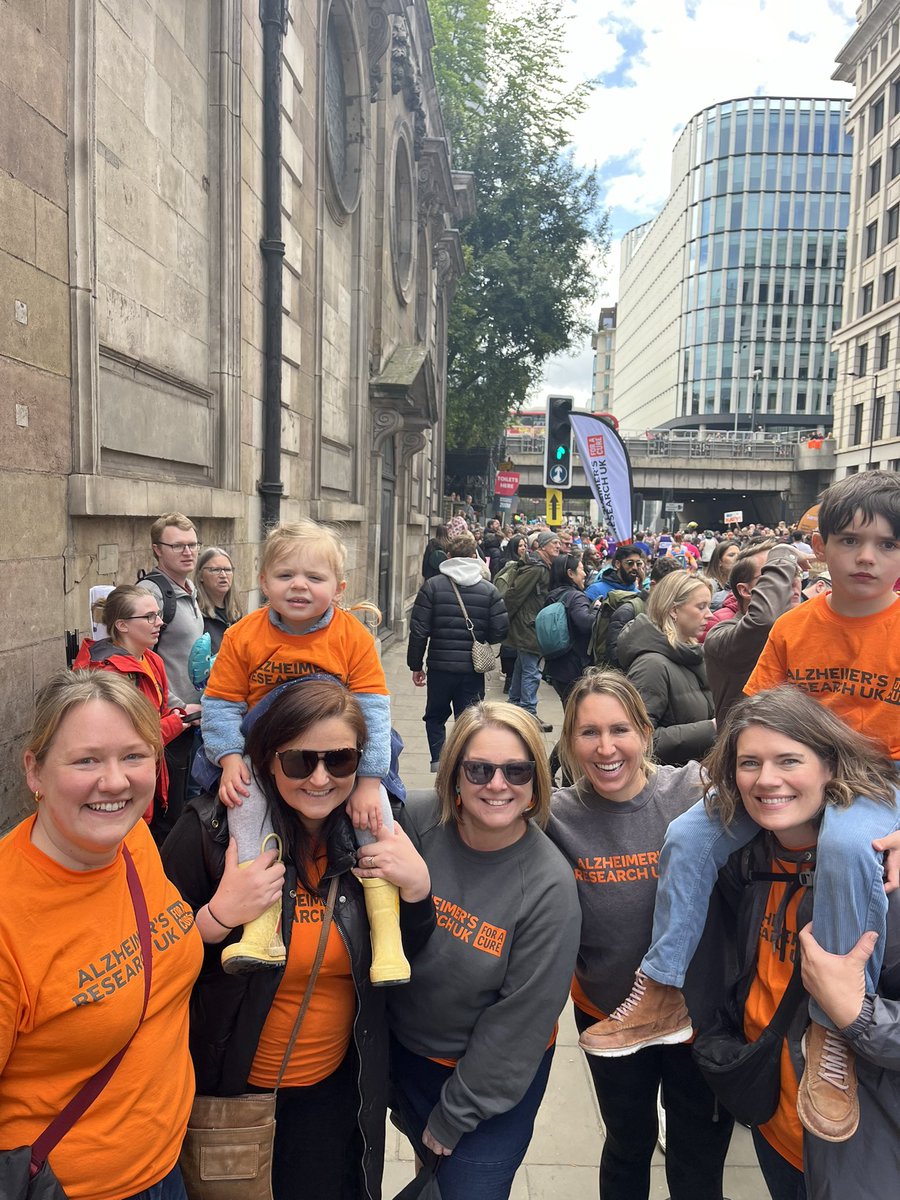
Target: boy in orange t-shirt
[(844, 649)]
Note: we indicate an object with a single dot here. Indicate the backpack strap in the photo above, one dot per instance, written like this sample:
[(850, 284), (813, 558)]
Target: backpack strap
[(166, 589)]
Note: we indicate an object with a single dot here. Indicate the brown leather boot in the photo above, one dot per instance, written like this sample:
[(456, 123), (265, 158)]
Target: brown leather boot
[(827, 1103), (652, 1015)]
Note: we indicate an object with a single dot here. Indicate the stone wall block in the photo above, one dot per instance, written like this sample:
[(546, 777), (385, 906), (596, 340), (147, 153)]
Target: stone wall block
[(294, 55), (196, 31), (135, 210), (44, 443), (188, 308), (32, 68), (192, 254), (44, 340), (144, 28), (119, 321), (174, 349), (196, 202), (172, 14), (122, 135), (169, 180), (122, 12), (291, 338), (52, 241), (37, 584), (158, 108), (16, 801), (189, 140), (31, 149), (46, 499), (186, 79), (120, 63), (124, 266), (16, 695), (17, 227)]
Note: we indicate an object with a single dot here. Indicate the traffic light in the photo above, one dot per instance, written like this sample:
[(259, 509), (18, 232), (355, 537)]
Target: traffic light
[(558, 443)]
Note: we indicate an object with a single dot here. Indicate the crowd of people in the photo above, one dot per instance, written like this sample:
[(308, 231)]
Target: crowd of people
[(704, 861)]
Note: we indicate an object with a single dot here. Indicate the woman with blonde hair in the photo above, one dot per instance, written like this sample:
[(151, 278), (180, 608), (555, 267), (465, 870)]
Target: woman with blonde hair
[(660, 652), (78, 984), (610, 826), (216, 594), (474, 1031)]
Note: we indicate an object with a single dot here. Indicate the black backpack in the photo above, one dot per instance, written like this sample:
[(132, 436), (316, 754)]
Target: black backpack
[(169, 601)]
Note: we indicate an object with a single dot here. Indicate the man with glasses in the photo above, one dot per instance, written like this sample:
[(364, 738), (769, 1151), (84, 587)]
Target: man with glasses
[(626, 574), (175, 546)]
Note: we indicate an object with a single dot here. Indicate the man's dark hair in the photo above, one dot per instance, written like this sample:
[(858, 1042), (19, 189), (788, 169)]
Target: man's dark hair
[(626, 551), (873, 493), (797, 535), (744, 569), (662, 567)]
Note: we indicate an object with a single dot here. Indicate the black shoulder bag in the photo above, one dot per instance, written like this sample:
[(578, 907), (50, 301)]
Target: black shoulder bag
[(745, 1077)]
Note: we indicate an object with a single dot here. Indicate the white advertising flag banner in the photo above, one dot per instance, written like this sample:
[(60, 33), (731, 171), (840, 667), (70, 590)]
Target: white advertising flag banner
[(608, 470)]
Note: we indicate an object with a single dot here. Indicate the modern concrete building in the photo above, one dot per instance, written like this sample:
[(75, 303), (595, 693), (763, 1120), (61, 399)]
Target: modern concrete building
[(867, 397), (729, 296), (603, 343), (227, 252)]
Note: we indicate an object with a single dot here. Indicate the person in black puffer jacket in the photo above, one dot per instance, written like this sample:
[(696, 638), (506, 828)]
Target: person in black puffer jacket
[(664, 661), (437, 622)]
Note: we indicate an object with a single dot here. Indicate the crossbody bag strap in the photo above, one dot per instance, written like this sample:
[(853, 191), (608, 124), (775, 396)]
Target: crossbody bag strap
[(469, 624), (787, 1006), (88, 1093), (313, 975)]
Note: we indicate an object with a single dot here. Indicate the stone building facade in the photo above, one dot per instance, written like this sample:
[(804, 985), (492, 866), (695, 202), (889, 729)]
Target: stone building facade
[(135, 330)]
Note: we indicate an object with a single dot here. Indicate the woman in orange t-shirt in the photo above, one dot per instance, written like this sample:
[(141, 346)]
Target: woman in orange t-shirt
[(71, 964), (304, 749), (783, 758)]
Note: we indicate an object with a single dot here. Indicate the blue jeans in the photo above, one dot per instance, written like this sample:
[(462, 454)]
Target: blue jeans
[(526, 678), (848, 896), (782, 1178), (484, 1161), (169, 1188)]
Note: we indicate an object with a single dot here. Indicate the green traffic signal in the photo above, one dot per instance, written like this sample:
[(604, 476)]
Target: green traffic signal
[(560, 452)]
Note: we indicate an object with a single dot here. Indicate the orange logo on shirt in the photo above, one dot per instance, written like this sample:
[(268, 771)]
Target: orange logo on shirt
[(617, 868), (462, 925)]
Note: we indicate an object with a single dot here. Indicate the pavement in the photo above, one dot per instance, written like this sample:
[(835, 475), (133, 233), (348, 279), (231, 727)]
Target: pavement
[(564, 1154)]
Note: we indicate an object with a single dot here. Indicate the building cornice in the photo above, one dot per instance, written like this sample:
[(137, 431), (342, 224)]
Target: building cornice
[(868, 30)]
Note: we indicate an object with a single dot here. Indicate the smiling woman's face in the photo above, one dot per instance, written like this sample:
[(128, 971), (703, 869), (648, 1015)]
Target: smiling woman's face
[(609, 749), (314, 797), (782, 784)]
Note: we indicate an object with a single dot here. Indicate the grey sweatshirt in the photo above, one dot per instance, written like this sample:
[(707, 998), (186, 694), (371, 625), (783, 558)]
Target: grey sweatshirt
[(491, 981), (177, 639), (613, 848)]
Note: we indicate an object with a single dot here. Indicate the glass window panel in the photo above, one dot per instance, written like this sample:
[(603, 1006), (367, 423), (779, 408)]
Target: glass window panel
[(751, 211), (788, 145), (893, 223), (834, 133), (718, 251), (767, 219), (757, 130), (724, 133), (712, 323), (796, 250), (803, 133), (784, 212), (734, 248), (720, 214), (876, 117), (843, 211), (704, 216), (765, 257), (819, 133), (740, 132), (828, 212), (728, 324), (704, 252), (801, 167), (895, 160), (737, 211), (812, 215), (774, 130), (799, 217), (739, 170), (715, 288), (710, 136), (831, 173), (754, 179), (781, 244), (874, 177), (750, 249), (722, 175)]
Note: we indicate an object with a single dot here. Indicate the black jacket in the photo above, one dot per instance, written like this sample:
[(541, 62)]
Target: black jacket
[(566, 668), (672, 683), (228, 1012), (438, 622), (215, 626)]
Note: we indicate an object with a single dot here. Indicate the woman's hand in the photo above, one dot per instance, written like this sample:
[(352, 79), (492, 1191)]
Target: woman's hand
[(243, 893), (393, 857), (890, 847), (233, 786), (430, 1142), (837, 982)]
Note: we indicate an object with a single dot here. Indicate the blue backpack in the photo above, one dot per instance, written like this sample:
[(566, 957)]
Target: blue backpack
[(551, 626)]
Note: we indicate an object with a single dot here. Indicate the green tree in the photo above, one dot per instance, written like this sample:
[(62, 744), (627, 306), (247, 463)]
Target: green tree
[(533, 247)]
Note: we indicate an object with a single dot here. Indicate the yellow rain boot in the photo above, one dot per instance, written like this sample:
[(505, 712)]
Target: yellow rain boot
[(261, 945), (389, 964)]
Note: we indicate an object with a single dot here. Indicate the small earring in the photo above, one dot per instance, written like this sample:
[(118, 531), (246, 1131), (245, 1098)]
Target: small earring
[(458, 799), (38, 797)]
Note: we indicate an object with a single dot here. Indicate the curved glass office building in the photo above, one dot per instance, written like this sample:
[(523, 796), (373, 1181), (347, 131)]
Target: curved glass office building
[(729, 297)]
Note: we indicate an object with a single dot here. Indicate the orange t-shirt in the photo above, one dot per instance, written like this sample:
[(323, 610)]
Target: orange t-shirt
[(71, 991), (325, 1033), (774, 967), (849, 664), (255, 657)]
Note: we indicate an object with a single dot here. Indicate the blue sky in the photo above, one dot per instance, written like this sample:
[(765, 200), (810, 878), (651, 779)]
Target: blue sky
[(656, 63)]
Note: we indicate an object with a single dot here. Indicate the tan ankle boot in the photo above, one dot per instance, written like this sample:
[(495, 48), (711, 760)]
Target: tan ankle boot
[(652, 1015), (389, 964), (261, 945), (827, 1101)]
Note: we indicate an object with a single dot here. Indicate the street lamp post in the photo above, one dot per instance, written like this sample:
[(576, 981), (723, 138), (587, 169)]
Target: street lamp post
[(872, 420), (756, 376)]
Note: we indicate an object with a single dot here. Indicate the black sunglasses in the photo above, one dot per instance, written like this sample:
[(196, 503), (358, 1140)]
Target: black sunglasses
[(481, 773), (300, 764)]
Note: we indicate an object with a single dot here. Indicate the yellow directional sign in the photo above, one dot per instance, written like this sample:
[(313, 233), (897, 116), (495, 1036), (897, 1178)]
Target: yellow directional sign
[(554, 507)]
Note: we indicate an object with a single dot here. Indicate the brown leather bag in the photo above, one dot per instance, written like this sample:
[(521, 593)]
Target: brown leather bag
[(227, 1150)]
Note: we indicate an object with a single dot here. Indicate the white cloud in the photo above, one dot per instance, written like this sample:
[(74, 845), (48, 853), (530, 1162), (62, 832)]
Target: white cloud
[(663, 61)]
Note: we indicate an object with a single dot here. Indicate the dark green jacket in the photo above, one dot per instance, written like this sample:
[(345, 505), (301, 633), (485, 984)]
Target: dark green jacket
[(524, 587)]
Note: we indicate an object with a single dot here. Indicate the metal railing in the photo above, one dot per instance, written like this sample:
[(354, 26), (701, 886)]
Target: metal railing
[(676, 443)]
